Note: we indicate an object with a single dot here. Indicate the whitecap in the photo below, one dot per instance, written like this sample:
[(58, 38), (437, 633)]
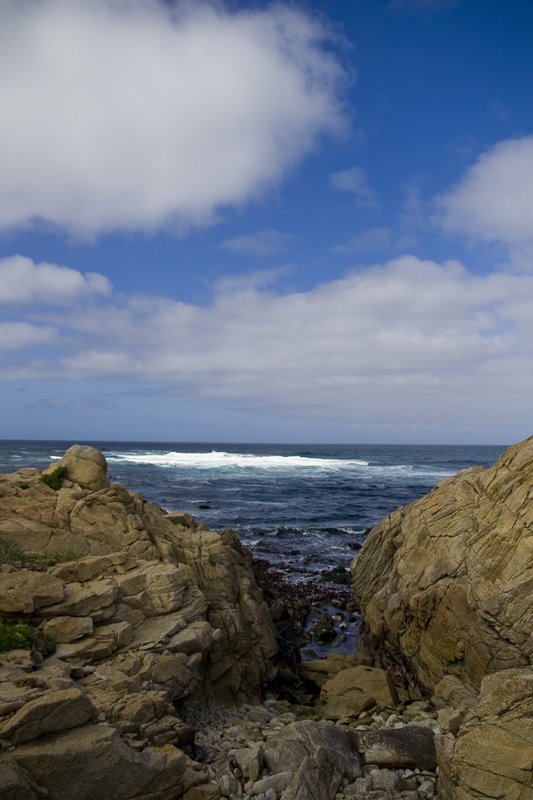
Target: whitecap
[(223, 460)]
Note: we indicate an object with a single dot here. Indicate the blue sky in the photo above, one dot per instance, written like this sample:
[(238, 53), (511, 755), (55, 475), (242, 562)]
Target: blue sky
[(236, 221)]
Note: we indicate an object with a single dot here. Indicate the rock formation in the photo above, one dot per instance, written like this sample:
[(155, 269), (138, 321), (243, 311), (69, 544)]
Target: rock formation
[(151, 646), (150, 649), (149, 612), (445, 589)]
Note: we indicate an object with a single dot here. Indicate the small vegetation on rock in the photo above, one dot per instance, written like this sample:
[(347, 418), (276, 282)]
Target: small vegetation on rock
[(23, 637), (54, 479), (11, 553)]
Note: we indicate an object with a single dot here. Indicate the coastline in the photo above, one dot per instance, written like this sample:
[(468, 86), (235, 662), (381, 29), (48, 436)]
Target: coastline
[(168, 648)]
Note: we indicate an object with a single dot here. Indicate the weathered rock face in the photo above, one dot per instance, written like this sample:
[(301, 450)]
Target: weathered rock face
[(143, 580), (492, 756), (150, 612), (445, 587), (445, 583)]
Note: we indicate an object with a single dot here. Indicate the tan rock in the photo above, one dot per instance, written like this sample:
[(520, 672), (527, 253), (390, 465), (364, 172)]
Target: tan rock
[(445, 582), (84, 599), (353, 690), (85, 466), (24, 591), (195, 638), (85, 569), (67, 629), (321, 670), (12, 695), (171, 608), (157, 572), (154, 588), (346, 707), (493, 753), (49, 713), (90, 762), (107, 639)]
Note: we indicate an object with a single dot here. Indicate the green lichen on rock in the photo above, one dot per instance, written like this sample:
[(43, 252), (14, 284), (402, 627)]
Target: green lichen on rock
[(54, 479), (23, 637)]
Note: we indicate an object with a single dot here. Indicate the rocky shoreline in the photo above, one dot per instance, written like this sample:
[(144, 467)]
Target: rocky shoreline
[(162, 662)]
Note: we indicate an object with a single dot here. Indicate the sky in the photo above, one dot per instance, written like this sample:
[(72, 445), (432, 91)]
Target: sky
[(254, 222)]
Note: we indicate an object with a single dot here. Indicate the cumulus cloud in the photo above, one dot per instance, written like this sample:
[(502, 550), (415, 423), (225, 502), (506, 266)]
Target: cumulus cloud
[(20, 335), (260, 244), (406, 341), (494, 200), (22, 282), (137, 115), (354, 181)]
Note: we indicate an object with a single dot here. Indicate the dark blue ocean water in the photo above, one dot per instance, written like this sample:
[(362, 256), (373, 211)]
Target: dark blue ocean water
[(303, 507)]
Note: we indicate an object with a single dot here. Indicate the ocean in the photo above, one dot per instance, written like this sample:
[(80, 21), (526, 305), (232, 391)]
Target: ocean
[(303, 508)]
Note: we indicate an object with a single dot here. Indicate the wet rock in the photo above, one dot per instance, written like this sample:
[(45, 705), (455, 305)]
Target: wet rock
[(337, 575), (324, 630)]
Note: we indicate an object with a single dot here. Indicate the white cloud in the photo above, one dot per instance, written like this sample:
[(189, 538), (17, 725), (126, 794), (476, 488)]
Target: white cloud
[(22, 282), (354, 181), (409, 341), (494, 200), (20, 335), (135, 115), (260, 244)]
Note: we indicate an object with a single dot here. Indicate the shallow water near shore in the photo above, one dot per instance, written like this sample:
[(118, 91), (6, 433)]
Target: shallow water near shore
[(304, 508)]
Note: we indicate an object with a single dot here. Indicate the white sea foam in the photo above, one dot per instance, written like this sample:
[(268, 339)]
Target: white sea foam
[(222, 460)]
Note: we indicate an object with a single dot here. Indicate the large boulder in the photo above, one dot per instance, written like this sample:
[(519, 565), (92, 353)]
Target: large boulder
[(85, 466), (355, 689), (92, 762), (445, 583), (318, 756)]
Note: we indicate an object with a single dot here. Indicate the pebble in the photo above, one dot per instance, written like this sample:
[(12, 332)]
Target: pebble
[(426, 790)]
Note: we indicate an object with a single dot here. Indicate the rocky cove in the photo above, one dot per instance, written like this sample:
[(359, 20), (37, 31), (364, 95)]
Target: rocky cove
[(152, 669)]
